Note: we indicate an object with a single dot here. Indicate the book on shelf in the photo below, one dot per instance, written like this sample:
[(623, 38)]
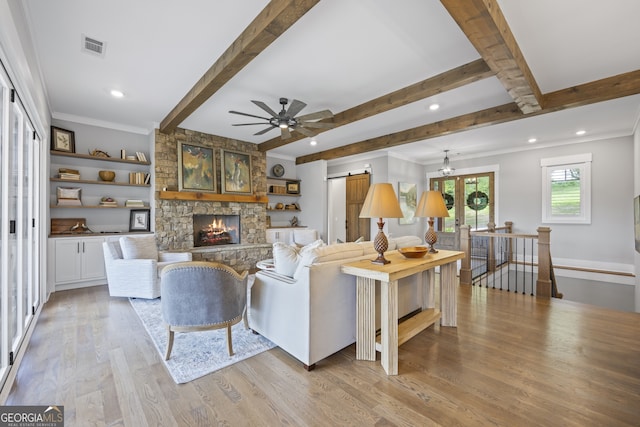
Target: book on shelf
[(147, 178), (69, 176), (67, 170), (136, 178), (109, 204), (141, 157), (69, 202), (134, 203)]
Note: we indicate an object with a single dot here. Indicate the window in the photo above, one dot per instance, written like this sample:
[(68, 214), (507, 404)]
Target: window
[(566, 189)]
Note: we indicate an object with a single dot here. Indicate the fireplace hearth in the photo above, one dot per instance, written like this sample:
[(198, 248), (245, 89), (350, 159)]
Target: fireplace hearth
[(213, 230)]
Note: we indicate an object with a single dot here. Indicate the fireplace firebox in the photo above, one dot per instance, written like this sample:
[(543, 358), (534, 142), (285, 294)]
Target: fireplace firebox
[(211, 230)]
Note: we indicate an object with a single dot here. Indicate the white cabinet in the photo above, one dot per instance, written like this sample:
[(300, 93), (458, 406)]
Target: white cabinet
[(75, 262)]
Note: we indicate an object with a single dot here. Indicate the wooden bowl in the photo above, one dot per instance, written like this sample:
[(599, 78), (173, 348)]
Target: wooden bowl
[(107, 175), (414, 251)]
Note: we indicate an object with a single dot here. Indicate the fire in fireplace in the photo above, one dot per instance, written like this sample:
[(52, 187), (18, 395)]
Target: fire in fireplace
[(211, 230)]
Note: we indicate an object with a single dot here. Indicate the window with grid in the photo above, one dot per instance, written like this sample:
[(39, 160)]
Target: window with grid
[(566, 189)]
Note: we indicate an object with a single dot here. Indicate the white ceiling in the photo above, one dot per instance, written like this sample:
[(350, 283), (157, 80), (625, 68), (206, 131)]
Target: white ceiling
[(340, 54)]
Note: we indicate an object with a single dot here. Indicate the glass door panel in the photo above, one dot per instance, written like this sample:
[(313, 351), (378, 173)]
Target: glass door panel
[(34, 225), (14, 193), (469, 200), (4, 329)]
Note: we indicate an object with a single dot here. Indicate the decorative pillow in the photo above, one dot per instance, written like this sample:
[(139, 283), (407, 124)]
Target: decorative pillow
[(316, 244), (143, 247), (333, 252), (367, 247), (285, 258), (302, 237), (405, 242), (360, 239)]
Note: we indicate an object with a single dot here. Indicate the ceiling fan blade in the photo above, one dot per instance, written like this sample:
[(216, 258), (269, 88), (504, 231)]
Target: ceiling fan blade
[(319, 125), (249, 115), (295, 107), (247, 124), (306, 132), (266, 108), (263, 131), (318, 115), (285, 134)]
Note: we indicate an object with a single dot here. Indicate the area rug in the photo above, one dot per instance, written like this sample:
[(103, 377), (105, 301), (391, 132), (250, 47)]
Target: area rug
[(196, 354)]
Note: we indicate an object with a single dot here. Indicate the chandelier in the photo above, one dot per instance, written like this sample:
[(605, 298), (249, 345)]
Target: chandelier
[(446, 170)]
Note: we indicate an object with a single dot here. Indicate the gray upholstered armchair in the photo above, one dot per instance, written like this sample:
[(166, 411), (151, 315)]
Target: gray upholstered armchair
[(198, 296)]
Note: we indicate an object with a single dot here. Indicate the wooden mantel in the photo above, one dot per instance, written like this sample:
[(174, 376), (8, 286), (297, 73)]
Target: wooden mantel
[(212, 197)]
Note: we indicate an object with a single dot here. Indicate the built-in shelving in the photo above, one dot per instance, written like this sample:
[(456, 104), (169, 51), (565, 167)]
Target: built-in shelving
[(97, 158), (88, 181)]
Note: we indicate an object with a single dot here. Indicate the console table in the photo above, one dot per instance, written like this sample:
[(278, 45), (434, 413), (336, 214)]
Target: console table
[(393, 335)]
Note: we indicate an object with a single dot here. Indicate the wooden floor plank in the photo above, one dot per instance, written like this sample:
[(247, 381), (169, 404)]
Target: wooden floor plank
[(513, 360)]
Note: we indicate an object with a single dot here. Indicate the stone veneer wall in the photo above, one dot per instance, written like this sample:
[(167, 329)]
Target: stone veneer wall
[(174, 218)]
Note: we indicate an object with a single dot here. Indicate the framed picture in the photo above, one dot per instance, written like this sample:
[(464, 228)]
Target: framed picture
[(63, 140), (407, 196), (139, 220), (293, 188), (236, 172), (196, 168)]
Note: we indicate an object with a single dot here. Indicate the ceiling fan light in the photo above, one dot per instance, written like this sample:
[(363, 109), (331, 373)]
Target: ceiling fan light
[(283, 125)]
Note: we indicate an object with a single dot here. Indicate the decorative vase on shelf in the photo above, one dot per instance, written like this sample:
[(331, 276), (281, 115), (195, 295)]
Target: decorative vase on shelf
[(107, 175)]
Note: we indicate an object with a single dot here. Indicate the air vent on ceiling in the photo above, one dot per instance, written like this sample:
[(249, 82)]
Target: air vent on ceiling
[(93, 46)]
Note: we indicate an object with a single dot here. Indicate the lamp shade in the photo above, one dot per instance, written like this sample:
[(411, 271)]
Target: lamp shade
[(381, 202), (432, 205)]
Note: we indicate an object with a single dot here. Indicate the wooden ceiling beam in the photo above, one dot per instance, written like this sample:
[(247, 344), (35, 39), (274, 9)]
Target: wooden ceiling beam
[(270, 24), (606, 89), (452, 79), (490, 116), (486, 28)]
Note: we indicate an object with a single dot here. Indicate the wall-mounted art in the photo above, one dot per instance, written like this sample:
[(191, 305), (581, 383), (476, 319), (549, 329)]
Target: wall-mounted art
[(236, 172), (407, 196), (63, 140), (196, 168)]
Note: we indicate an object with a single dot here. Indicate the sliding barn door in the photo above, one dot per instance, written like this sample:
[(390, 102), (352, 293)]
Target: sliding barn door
[(356, 191)]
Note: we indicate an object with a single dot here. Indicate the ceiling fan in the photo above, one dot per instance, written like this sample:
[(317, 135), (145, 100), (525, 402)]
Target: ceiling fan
[(287, 121)]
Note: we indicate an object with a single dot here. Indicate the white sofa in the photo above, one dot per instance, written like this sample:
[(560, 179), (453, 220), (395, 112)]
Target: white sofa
[(312, 314)]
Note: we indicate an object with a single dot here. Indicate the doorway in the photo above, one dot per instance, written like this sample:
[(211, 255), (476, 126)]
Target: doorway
[(346, 196), (469, 200)]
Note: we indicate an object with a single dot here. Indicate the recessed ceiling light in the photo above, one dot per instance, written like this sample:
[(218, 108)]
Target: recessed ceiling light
[(434, 107), (581, 132), (532, 140), (313, 142), (117, 93)]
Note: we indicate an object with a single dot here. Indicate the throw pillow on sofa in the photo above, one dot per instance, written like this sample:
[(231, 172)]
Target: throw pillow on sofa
[(287, 257), (143, 247)]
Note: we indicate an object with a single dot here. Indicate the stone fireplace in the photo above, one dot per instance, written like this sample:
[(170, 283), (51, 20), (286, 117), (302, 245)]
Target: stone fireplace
[(175, 227), (213, 230)]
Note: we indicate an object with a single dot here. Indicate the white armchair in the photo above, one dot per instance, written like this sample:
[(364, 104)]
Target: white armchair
[(133, 265)]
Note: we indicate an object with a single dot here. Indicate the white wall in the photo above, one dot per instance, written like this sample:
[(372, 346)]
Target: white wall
[(636, 192), (403, 170), (313, 200), (607, 243)]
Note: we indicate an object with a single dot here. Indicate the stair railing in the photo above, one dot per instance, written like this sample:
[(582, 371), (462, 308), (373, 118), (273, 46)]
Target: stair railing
[(494, 254)]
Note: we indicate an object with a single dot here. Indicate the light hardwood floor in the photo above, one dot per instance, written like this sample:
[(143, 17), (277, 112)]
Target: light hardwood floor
[(512, 361)]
